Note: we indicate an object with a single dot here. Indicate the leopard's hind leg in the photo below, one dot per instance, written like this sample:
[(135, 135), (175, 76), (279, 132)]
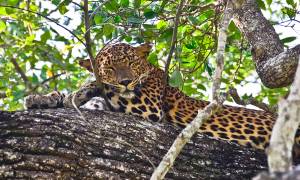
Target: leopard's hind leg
[(51, 100)]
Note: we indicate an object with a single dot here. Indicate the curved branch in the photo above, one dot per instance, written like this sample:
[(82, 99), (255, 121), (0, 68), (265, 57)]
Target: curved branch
[(275, 67), (19, 70), (285, 128)]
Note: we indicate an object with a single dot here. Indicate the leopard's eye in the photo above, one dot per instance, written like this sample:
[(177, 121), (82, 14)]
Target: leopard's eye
[(131, 63)]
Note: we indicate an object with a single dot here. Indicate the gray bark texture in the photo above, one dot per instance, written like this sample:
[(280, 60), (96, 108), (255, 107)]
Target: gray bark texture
[(275, 67), (57, 143)]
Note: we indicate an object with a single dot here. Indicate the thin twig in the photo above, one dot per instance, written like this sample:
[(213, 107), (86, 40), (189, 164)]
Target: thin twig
[(19, 70), (174, 39), (49, 19), (77, 109), (88, 43), (3, 95), (252, 101), (186, 134), (87, 34), (220, 52)]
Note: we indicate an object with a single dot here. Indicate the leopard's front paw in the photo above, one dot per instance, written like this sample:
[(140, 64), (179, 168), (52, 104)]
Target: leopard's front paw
[(96, 103), (50, 100), (81, 96)]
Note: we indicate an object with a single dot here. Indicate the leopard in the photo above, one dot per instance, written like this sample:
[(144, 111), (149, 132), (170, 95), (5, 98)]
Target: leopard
[(132, 85)]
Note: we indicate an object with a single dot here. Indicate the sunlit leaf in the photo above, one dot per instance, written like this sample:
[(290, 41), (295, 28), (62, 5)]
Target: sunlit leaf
[(98, 19), (12, 2), (108, 29), (2, 26), (117, 19)]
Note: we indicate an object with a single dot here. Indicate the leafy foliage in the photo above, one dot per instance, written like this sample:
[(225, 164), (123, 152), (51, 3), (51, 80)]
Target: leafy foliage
[(45, 54)]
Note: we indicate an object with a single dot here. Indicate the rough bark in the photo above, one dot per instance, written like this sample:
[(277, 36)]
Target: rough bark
[(57, 143), (284, 131), (275, 67)]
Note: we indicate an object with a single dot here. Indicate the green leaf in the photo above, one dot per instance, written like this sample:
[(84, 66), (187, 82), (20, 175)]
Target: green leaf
[(162, 24), (117, 19), (208, 68), (108, 29), (18, 94), (112, 5), (153, 59), (62, 9), (261, 4), (289, 11), (35, 79), (176, 79), (124, 3), (128, 38), (200, 86), (149, 14), (269, 2), (290, 2), (55, 2), (29, 39), (45, 36), (191, 45), (2, 11), (288, 39), (98, 19), (44, 72), (193, 20), (2, 26), (12, 2), (135, 20), (136, 4)]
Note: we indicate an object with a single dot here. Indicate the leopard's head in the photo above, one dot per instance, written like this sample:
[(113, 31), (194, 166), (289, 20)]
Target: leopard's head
[(123, 67)]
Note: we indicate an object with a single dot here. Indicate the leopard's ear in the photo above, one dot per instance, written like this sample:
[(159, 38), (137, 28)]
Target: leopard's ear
[(86, 63), (143, 50)]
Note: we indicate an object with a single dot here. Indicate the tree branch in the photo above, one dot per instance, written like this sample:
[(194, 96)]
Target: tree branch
[(173, 42), (2, 95), (252, 101), (285, 128), (56, 143), (87, 37), (267, 50), (186, 134), (20, 71)]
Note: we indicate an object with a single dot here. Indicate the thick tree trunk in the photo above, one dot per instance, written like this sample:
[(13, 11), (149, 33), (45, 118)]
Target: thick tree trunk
[(57, 143), (275, 67)]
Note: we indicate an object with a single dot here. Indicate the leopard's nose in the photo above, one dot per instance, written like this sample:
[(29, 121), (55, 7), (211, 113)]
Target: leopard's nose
[(125, 82)]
